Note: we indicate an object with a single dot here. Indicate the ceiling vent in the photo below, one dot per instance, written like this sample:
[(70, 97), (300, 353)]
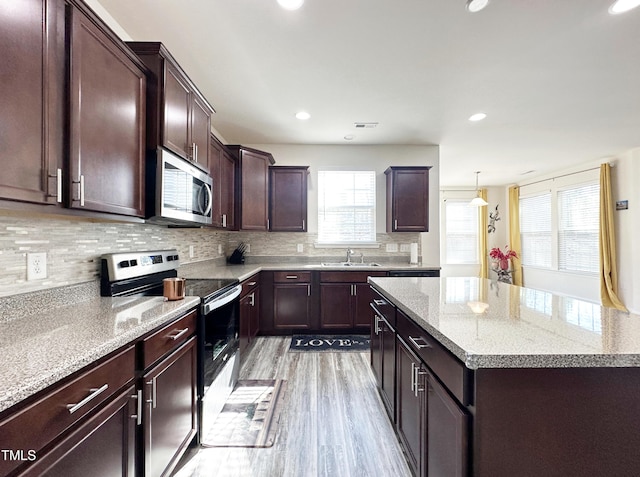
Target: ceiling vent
[(365, 125)]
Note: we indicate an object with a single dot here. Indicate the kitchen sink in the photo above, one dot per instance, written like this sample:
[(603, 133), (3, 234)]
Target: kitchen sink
[(350, 264)]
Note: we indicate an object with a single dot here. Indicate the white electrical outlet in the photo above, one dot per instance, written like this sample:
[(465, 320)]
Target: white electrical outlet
[(191, 251), (36, 266), (219, 249), (405, 247), (247, 248), (392, 247), (300, 248)]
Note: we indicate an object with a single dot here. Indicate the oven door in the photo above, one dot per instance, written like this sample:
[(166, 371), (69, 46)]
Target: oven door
[(185, 192)]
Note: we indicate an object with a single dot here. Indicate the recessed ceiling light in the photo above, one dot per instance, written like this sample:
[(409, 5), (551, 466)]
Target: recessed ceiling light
[(474, 6), (477, 117), (290, 4), (621, 6), (303, 115), (349, 137)]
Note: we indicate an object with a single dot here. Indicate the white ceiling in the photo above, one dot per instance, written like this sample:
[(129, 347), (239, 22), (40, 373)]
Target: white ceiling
[(558, 79)]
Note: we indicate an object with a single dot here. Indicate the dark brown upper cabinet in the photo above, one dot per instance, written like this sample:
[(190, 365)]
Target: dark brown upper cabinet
[(107, 119), (179, 116), (32, 100), (408, 199), (288, 198), (85, 155), (222, 168), (252, 186)]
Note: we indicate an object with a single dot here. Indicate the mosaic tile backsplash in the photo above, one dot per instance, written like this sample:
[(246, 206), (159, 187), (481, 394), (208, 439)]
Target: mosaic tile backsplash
[(74, 246)]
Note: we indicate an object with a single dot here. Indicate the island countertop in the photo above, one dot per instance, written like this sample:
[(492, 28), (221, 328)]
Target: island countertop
[(489, 324)]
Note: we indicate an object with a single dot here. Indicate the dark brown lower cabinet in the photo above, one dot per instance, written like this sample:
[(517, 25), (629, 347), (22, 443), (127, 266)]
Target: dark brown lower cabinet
[(104, 446), (336, 307), (169, 423), (292, 306), (411, 406), (383, 360)]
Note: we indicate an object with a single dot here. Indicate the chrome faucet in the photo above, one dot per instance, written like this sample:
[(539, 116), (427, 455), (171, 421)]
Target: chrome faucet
[(352, 253)]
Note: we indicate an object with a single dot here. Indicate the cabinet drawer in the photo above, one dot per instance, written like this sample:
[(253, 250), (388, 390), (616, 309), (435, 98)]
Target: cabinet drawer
[(384, 307), (447, 368), (42, 421), (249, 284), (292, 277), (169, 337), (349, 277)]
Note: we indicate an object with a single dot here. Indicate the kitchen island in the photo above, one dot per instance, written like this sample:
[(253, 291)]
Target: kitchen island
[(535, 383)]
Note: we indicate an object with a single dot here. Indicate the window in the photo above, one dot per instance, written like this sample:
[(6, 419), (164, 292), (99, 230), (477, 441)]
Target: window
[(461, 232), (578, 223), (346, 207), (535, 230)]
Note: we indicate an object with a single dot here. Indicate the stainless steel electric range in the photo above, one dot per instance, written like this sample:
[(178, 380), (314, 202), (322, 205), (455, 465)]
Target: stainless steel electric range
[(141, 274)]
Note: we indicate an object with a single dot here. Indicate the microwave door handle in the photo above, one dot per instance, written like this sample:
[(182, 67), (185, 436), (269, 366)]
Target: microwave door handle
[(210, 201)]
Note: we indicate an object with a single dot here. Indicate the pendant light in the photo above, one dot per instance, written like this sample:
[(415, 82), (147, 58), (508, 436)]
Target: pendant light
[(478, 201), (474, 6)]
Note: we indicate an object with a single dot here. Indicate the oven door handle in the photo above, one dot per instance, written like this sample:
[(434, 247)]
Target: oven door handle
[(221, 301)]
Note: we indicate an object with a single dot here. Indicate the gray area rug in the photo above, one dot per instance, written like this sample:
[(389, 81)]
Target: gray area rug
[(250, 416), (359, 343)]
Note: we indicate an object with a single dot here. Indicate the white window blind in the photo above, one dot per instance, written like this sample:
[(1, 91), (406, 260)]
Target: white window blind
[(346, 207), (578, 224), (535, 230), (461, 232)]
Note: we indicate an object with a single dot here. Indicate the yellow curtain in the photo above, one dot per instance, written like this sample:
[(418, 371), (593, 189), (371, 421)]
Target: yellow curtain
[(482, 236), (608, 268), (514, 233)]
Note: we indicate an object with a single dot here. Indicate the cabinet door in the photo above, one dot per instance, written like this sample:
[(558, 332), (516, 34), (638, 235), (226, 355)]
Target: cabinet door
[(388, 358), (408, 199), (107, 123), (104, 446), (32, 93), (448, 433), (291, 306), (362, 310), (410, 408), (288, 199), (376, 347), (176, 116), (215, 171), (336, 309), (228, 191), (170, 415), (200, 132), (254, 173)]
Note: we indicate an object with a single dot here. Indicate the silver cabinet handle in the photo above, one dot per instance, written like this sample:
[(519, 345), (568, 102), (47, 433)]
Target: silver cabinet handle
[(194, 152), (253, 299), (291, 277), (81, 190), (224, 220), (302, 224), (413, 376), (380, 302), (424, 343), (94, 393), (419, 372), (152, 401), (251, 284), (138, 415), (377, 328), (179, 334), (308, 290)]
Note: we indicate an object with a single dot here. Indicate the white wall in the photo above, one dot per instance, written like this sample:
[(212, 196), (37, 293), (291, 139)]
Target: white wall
[(625, 177), (378, 158)]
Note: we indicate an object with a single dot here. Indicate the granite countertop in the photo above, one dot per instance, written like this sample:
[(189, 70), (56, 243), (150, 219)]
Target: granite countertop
[(212, 269), (515, 327), (43, 346)]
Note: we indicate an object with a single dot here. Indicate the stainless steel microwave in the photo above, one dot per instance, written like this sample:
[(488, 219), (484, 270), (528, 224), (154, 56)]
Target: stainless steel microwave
[(180, 193)]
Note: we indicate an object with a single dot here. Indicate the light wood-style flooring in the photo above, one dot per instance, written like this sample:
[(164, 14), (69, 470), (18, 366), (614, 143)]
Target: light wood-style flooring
[(333, 423)]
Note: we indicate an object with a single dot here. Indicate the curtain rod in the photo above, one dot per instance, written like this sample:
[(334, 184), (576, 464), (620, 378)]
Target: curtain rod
[(563, 175)]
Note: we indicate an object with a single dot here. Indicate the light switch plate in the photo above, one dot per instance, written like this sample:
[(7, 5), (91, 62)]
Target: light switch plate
[(36, 266), (191, 251), (300, 248)]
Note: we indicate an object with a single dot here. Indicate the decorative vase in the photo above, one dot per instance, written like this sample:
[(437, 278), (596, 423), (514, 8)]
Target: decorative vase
[(504, 263)]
